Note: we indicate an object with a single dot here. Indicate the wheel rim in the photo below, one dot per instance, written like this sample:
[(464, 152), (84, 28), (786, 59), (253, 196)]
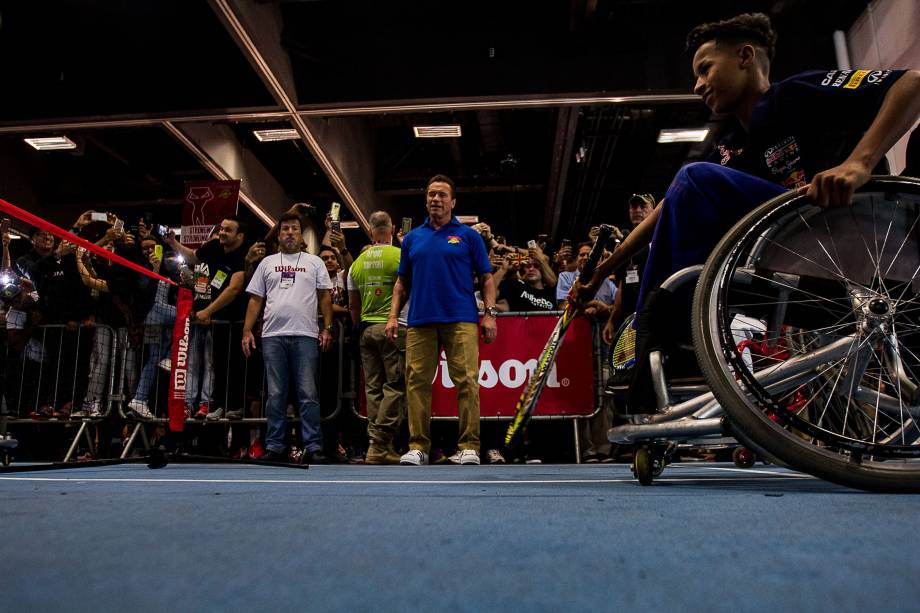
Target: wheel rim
[(801, 265)]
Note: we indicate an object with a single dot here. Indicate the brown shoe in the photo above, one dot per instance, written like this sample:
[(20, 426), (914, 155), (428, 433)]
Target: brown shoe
[(376, 455)]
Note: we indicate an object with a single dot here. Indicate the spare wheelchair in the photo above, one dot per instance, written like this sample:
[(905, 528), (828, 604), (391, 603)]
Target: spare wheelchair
[(805, 327)]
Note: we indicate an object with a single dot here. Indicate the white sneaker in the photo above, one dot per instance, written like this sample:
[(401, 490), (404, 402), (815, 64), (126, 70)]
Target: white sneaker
[(455, 459), (495, 456), (139, 408), (468, 456), (166, 364), (414, 457)]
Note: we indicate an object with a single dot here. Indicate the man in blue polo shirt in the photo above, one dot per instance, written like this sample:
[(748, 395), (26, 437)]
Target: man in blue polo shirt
[(439, 261)]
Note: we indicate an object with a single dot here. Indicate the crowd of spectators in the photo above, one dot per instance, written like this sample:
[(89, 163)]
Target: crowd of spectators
[(66, 310)]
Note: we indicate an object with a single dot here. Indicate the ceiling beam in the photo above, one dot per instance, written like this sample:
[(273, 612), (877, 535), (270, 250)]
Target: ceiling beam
[(332, 110), (490, 102), (220, 153), (256, 28), (137, 121), (563, 147)]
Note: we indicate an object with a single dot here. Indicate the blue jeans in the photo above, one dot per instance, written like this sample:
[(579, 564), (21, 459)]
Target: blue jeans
[(200, 366), (161, 315), (702, 204), (284, 356)]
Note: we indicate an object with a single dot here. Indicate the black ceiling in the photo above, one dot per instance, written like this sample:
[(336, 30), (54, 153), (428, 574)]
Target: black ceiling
[(87, 61)]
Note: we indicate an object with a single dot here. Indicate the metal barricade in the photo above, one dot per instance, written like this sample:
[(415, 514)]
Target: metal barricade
[(107, 368), (233, 385), (55, 374), (506, 365)]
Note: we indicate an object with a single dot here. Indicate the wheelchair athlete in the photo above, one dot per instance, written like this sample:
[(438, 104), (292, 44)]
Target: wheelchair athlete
[(821, 133)]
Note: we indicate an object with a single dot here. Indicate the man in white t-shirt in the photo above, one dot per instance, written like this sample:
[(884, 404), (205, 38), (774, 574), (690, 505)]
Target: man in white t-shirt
[(291, 284)]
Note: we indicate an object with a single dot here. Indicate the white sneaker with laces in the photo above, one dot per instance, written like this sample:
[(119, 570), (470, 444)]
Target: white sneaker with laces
[(139, 408), (468, 456), (414, 457), (495, 456), (455, 459)]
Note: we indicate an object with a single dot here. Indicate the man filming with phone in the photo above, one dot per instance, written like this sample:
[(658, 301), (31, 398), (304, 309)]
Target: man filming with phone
[(218, 293)]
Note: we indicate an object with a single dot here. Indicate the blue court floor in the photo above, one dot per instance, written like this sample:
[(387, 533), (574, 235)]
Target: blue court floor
[(705, 537)]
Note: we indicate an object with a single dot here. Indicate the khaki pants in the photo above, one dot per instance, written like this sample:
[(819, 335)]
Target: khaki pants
[(384, 383), (461, 346)]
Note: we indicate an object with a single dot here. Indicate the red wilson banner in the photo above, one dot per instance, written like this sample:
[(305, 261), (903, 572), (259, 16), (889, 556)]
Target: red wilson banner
[(506, 365), (206, 204), (179, 374)]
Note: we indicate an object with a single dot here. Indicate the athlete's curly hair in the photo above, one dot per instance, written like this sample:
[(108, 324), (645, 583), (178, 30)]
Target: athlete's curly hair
[(746, 28)]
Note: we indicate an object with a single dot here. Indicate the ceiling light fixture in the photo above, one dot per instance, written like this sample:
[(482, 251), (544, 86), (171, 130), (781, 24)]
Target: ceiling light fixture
[(468, 218), (270, 136), (349, 225), (683, 135), (51, 143), (436, 131)]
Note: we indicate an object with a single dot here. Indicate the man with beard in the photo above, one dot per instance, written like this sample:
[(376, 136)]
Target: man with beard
[(291, 285)]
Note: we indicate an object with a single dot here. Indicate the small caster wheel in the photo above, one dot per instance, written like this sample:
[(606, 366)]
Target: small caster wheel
[(743, 457), (644, 466)]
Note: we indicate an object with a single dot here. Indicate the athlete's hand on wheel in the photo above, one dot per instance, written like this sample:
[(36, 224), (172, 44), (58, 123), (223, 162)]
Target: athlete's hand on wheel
[(835, 186)]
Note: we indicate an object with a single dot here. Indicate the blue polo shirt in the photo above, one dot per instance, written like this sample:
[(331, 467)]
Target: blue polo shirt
[(439, 266)]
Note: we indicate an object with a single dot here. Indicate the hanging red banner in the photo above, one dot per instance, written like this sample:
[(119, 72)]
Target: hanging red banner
[(206, 205)]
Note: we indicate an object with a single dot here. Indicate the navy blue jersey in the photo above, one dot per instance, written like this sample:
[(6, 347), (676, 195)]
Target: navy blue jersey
[(806, 124)]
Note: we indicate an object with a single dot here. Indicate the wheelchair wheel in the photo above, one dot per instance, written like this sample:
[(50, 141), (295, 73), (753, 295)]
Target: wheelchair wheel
[(806, 324), (743, 457), (644, 466)]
